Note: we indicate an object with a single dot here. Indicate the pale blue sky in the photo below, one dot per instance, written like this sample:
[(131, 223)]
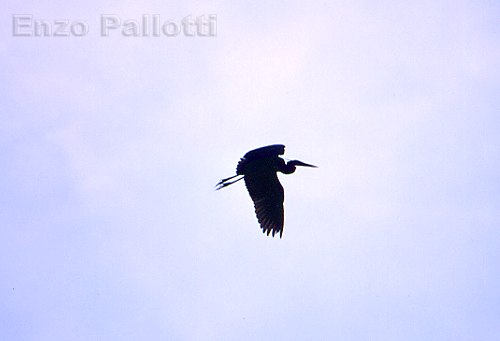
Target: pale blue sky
[(111, 147)]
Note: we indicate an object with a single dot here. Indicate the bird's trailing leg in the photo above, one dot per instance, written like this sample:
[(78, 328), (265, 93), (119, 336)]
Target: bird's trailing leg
[(224, 182)]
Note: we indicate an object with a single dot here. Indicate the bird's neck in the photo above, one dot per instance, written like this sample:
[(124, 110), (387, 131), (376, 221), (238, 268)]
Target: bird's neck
[(288, 169)]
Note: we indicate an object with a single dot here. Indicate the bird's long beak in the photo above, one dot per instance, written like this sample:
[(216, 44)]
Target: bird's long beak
[(300, 163)]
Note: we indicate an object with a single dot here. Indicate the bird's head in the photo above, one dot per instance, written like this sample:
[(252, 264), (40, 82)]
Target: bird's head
[(291, 165), (300, 163)]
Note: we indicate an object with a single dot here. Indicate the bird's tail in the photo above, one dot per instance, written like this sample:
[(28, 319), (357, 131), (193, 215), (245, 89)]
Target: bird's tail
[(225, 182)]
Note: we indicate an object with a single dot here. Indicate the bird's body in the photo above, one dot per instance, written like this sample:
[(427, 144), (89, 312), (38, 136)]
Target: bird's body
[(259, 168)]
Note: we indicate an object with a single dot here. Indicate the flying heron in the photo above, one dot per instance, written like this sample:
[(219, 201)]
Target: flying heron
[(259, 168)]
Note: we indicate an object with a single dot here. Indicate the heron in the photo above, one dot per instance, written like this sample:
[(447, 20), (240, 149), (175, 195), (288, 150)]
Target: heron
[(259, 168)]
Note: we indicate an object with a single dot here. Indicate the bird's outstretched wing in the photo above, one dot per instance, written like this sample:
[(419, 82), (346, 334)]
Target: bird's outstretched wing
[(268, 196), (257, 156), (267, 151)]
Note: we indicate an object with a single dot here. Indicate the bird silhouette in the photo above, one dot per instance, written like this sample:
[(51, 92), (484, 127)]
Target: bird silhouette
[(259, 168)]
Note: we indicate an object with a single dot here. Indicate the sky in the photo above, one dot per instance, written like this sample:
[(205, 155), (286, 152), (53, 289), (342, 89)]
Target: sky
[(111, 147)]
